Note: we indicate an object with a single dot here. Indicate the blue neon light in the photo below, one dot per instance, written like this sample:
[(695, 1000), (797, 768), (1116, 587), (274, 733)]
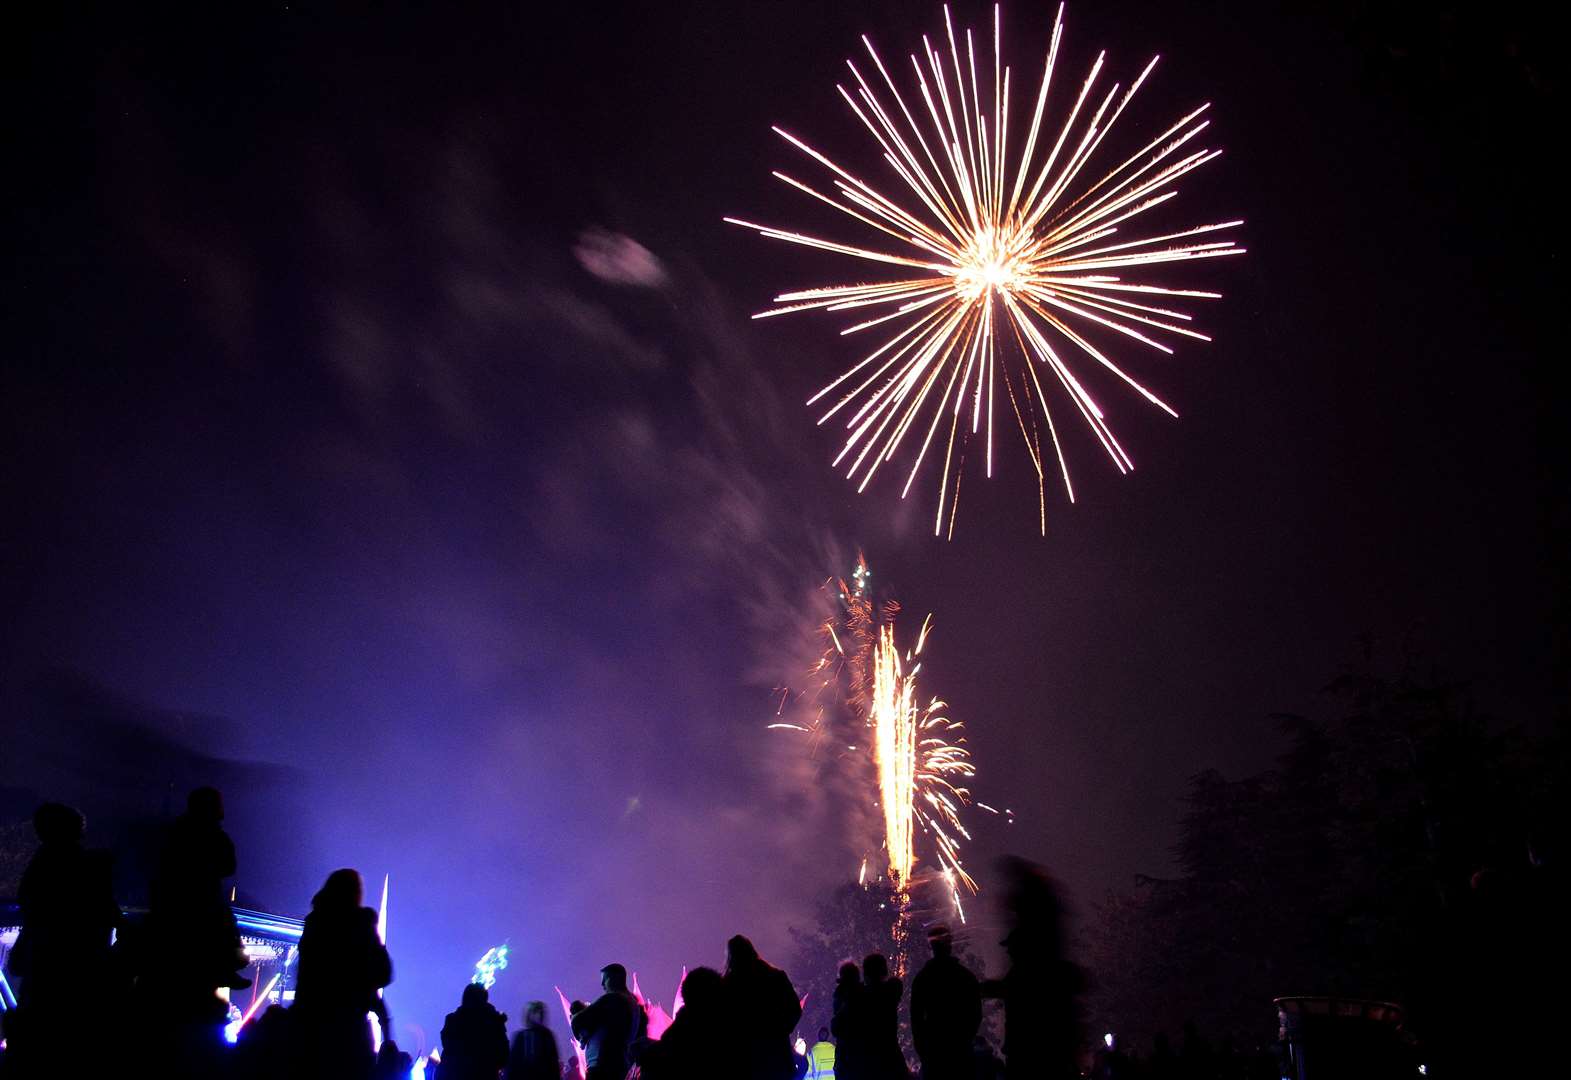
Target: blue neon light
[(264, 925)]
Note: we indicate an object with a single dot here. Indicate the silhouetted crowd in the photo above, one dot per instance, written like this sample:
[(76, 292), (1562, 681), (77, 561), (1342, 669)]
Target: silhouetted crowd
[(168, 977)]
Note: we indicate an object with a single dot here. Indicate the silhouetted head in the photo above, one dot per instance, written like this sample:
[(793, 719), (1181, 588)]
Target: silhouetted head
[(704, 988), (875, 968), (534, 1012), (823, 1034), (343, 889), (576, 1007), (850, 973), (1036, 913), (205, 804), (739, 953), (58, 824), (475, 994), (940, 940), (613, 977)]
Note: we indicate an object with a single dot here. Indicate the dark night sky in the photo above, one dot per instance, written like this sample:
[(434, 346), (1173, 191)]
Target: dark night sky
[(312, 420)]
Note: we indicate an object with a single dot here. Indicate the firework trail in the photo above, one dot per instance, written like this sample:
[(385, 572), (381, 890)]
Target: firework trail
[(999, 262)]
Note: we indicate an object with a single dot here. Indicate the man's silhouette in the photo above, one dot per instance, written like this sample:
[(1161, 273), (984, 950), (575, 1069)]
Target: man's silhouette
[(764, 1011), (474, 1038), (607, 1027), (946, 1011), (198, 941)]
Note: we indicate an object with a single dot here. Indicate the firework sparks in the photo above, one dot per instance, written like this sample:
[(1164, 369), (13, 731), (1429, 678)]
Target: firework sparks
[(1000, 261), (918, 758), (921, 766)]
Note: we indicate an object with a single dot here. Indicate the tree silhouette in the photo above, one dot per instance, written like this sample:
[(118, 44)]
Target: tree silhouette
[(1350, 868)]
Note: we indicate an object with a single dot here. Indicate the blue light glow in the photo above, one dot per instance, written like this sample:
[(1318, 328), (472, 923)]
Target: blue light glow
[(492, 962)]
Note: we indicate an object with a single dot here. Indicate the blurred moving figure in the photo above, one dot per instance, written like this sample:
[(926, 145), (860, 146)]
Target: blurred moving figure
[(1039, 991), (534, 1054)]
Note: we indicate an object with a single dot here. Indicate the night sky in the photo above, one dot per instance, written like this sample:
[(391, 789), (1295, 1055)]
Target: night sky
[(380, 385)]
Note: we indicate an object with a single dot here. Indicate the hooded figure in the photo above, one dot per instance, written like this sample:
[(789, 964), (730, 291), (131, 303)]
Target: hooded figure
[(764, 1011), (474, 1038), (342, 966)]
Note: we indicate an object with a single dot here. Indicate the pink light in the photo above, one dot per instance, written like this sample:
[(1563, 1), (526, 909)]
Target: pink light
[(257, 1004), (578, 1051)]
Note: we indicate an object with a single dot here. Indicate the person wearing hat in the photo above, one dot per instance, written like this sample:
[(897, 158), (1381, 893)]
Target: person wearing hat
[(946, 1010), (608, 1026)]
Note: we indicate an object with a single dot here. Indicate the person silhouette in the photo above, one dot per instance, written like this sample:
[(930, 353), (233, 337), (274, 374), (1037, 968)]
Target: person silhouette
[(474, 1038), (881, 994), (607, 1028), (764, 1011), (342, 965), (1041, 1036), (392, 1063), (264, 1048), (849, 1024), (534, 1054), (190, 952), (697, 1045), (195, 925), (946, 1011), (68, 913)]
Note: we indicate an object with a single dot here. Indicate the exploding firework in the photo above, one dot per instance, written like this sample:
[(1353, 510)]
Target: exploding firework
[(1002, 261)]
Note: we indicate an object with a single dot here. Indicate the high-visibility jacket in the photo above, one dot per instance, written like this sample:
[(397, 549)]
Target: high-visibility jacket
[(822, 1057)]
